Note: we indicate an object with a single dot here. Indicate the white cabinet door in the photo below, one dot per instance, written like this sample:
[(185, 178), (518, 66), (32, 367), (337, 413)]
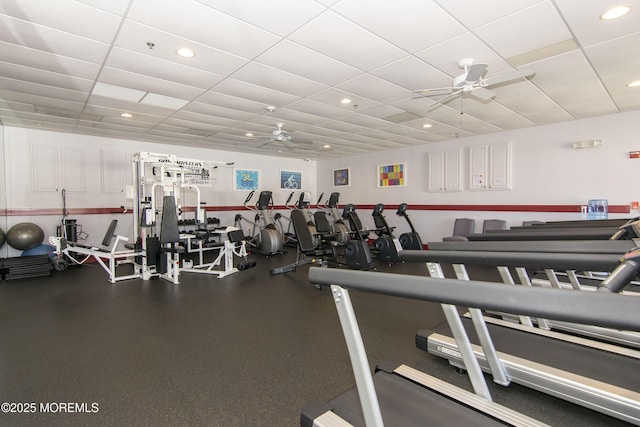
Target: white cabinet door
[(45, 167), (55, 168), (436, 171), (478, 167), (453, 170), (500, 164), (113, 167), (72, 168)]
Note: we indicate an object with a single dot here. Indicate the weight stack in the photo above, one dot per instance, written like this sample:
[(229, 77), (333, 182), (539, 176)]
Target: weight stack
[(27, 266)]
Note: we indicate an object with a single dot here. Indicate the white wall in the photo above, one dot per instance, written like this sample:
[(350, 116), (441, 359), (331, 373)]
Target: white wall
[(20, 192), (546, 171), (3, 219)]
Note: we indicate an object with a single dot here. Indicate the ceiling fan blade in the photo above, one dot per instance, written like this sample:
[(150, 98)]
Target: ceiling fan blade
[(287, 143), (482, 93), (507, 77), (268, 141), (433, 89), (444, 101), (475, 72), (301, 140)]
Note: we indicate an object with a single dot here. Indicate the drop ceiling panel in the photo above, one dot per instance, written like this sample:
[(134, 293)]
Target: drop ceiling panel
[(589, 29), (253, 92), (412, 74), (446, 55), (200, 23), (49, 40), (41, 90), (89, 22), (205, 118), (118, 7), (326, 111), (584, 99), (34, 75), (277, 16), (232, 102), (370, 86), (521, 26), (562, 70), (149, 66), (429, 23), (134, 37), (273, 78), (474, 14), (613, 57), (346, 42), (23, 98), (148, 84), (213, 110), (297, 59), (332, 96), (27, 57), (125, 106)]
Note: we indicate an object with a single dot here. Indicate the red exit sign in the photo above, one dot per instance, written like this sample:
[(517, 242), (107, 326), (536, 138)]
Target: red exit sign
[(634, 154)]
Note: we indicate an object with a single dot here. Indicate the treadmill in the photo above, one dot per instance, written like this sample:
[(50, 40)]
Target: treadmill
[(599, 376), (398, 395)]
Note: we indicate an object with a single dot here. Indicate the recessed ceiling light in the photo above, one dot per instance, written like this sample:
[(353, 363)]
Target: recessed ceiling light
[(427, 125), (345, 101), (248, 134), (326, 146), (615, 12), (185, 52), (126, 115), (634, 84)]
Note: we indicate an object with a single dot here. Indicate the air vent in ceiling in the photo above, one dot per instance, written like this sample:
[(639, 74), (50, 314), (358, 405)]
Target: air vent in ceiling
[(401, 117), (198, 132), (91, 117), (48, 111)]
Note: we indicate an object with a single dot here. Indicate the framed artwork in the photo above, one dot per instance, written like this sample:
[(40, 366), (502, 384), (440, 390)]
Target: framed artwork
[(341, 177), (246, 179), (290, 180), (393, 175)]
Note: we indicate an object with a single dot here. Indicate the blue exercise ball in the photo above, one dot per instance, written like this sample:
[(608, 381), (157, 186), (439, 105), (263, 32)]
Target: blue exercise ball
[(40, 250), (25, 235), (3, 237)]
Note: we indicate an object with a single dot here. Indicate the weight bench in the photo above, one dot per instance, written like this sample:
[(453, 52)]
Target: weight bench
[(108, 259)]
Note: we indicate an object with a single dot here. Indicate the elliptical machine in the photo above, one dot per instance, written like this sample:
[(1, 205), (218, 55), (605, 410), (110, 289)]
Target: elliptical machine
[(386, 245), (411, 240), (339, 228), (269, 240)]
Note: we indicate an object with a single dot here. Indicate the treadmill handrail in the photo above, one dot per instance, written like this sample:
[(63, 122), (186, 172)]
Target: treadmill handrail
[(560, 261), (594, 308)]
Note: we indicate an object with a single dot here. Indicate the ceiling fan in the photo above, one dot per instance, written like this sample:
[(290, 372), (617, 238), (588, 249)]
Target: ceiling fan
[(473, 82), (282, 136)]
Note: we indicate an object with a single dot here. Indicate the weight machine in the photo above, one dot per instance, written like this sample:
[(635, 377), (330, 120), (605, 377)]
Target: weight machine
[(162, 182)]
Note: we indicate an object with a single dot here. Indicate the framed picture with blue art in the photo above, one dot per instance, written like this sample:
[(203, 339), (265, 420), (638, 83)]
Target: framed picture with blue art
[(291, 180), (393, 175), (246, 179), (341, 177)]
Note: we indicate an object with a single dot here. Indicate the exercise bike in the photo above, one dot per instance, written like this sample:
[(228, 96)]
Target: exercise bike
[(357, 252), (410, 240), (386, 245)]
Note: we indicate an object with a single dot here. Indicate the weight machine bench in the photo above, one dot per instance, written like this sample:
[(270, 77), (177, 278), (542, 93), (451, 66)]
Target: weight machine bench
[(108, 259)]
